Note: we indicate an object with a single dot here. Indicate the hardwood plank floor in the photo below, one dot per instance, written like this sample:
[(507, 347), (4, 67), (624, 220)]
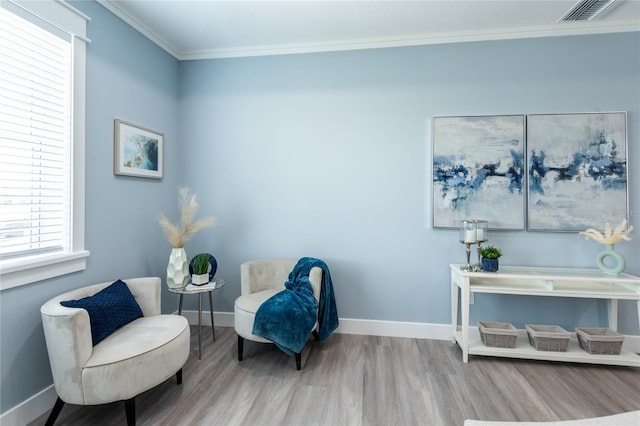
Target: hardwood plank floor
[(355, 380)]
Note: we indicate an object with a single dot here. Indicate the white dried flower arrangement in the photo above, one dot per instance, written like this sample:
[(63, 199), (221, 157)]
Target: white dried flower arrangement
[(180, 233), (621, 232)]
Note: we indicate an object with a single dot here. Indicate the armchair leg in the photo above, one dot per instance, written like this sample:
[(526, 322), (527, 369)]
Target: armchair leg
[(179, 376), (55, 412), (240, 347), (130, 410), (316, 335), (298, 361)]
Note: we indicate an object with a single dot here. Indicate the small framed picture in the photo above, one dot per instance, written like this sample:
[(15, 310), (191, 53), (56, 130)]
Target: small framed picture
[(138, 151)]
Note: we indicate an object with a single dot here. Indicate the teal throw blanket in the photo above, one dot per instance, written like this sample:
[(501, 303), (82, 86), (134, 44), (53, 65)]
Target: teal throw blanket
[(288, 317)]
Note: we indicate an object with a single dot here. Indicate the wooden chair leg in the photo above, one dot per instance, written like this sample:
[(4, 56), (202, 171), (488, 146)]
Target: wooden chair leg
[(130, 410), (179, 376), (55, 412), (240, 347), (298, 361)]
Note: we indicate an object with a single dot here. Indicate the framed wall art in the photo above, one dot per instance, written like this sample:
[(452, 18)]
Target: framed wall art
[(478, 170), (138, 151), (577, 169)]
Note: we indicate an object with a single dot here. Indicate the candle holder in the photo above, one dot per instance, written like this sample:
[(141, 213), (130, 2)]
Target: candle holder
[(468, 236), (481, 236)]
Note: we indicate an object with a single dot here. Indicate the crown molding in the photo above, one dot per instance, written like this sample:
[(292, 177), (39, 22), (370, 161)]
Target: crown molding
[(555, 30), (140, 27)]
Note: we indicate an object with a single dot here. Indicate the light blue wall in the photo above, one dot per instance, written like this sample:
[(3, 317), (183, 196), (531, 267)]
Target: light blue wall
[(130, 78), (325, 155), (329, 155)]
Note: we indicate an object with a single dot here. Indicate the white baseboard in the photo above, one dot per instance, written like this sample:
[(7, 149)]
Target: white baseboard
[(44, 400), (30, 409), (395, 329), (416, 330), (348, 326), (222, 319)]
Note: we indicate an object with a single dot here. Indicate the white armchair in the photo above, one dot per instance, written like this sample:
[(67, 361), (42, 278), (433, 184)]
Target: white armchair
[(259, 280), (136, 357)]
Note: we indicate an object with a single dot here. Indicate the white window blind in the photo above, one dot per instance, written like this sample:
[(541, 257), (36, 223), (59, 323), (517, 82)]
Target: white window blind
[(42, 126), (35, 137)]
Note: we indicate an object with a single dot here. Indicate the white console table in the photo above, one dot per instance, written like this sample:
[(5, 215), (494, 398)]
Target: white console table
[(554, 282)]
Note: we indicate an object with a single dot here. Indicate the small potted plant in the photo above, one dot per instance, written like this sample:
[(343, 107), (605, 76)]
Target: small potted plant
[(490, 256), (200, 273)]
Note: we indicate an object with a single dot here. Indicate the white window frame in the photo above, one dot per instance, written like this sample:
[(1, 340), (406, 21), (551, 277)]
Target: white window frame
[(21, 271)]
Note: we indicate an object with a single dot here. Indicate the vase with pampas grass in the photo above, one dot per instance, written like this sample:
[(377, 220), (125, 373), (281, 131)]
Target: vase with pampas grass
[(178, 234), (610, 237)]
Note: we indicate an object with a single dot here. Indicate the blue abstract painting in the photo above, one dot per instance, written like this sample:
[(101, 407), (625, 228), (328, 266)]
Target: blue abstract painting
[(478, 170), (138, 151), (577, 169)]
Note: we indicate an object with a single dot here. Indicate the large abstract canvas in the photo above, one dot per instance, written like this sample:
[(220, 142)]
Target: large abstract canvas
[(577, 170), (478, 170)]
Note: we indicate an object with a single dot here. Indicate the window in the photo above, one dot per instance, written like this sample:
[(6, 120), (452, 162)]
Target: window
[(42, 79)]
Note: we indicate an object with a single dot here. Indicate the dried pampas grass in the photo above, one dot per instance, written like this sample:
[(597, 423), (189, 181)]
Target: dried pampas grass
[(609, 237), (180, 233)]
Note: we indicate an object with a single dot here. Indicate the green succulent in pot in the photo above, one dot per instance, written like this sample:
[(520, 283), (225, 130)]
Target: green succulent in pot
[(200, 265), (490, 256), (490, 252)]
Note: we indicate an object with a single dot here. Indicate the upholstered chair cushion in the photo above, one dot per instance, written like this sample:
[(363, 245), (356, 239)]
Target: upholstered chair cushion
[(245, 313), (136, 358)]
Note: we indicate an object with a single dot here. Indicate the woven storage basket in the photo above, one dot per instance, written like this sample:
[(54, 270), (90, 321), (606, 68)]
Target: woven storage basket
[(602, 341), (548, 337), (497, 334)]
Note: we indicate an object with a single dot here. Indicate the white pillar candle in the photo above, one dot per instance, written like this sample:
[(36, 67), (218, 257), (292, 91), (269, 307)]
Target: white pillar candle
[(470, 236), (480, 234)]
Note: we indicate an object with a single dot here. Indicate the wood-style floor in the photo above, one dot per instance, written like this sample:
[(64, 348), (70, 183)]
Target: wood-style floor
[(367, 380)]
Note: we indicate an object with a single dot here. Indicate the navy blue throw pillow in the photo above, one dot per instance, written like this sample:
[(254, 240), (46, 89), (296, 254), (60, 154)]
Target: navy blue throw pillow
[(109, 309)]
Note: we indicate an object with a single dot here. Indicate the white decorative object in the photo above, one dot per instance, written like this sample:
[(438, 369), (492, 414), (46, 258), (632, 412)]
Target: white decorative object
[(200, 279), (470, 236), (178, 268)]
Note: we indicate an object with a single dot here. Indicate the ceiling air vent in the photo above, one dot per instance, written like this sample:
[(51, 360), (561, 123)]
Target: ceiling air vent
[(589, 10)]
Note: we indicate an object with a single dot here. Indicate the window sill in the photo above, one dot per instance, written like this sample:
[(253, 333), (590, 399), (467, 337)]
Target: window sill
[(22, 272)]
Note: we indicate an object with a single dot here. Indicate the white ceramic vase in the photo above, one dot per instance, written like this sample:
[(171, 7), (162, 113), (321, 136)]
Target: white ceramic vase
[(178, 268)]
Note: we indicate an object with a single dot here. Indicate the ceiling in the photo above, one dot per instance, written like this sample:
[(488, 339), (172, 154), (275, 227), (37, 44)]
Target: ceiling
[(200, 29)]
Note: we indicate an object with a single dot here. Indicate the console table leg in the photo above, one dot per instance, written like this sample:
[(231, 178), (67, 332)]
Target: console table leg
[(455, 291), (465, 321), (613, 314)]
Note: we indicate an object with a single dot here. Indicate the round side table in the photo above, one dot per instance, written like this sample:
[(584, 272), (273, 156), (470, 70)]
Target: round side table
[(215, 284)]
